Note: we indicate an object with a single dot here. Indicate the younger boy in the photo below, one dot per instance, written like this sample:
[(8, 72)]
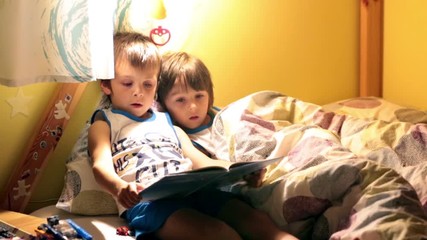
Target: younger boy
[(186, 92)]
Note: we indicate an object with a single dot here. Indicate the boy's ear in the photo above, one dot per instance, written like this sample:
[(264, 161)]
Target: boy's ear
[(106, 87)]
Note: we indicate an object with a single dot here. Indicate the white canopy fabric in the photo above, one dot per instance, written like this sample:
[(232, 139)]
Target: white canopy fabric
[(72, 41)]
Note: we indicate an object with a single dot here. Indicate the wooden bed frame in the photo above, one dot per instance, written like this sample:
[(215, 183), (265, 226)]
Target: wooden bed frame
[(26, 176), (371, 48)]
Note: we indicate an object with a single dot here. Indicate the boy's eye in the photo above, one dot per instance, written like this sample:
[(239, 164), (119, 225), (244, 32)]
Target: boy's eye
[(127, 84), (199, 96), (148, 85), (180, 100)]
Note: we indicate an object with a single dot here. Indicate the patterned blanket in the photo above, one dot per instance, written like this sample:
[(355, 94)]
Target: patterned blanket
[(345, 174)]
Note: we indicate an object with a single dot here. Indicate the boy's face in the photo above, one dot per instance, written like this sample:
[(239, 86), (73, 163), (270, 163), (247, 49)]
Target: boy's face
[(132, 89), (187, 106)]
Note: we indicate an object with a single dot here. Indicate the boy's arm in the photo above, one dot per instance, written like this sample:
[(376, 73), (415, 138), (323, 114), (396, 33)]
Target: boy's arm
[(103, 169), (198, 158), (100, 151)]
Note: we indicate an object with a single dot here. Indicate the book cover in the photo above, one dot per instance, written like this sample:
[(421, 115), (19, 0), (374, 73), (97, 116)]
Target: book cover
[(185, 183)]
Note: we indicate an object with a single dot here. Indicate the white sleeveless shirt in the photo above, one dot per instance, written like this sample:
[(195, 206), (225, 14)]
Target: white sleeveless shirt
[(201, 137), (144, 150)]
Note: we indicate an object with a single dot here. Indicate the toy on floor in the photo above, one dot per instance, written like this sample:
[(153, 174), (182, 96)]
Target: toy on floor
[(57, 229)]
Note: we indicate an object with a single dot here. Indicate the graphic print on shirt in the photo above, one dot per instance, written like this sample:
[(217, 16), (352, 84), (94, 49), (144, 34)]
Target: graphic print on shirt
[(144, 150), (151, 156)]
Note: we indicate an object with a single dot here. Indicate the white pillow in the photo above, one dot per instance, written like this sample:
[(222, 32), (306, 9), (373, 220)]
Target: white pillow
[(81, 193)]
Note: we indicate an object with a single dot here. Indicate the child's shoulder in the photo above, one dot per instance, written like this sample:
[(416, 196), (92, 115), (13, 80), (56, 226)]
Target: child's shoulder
[(98, 114), (162, 115), (156, 106), (214, 110)]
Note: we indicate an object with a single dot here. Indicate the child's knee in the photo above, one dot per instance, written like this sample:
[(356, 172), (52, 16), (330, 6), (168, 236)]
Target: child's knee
[(218, 230)]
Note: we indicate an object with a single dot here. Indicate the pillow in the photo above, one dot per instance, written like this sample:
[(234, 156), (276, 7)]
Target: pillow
[(81, 193), (376, 108), (244, 130)]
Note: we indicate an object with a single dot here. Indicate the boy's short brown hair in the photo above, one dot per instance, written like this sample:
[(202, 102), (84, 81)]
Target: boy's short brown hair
[(186, 67), (138, 49)]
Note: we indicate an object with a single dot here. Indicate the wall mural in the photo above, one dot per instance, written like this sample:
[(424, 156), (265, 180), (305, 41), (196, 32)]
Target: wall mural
[(20, 104)]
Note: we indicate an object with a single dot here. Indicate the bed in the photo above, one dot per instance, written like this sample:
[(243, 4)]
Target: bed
[(352, 169)]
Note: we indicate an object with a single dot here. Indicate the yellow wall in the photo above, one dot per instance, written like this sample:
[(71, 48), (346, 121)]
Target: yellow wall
[(405, 52), (15, 131), (305, 49)]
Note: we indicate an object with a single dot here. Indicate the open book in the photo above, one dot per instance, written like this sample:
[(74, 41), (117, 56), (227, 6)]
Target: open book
[(185, 183)]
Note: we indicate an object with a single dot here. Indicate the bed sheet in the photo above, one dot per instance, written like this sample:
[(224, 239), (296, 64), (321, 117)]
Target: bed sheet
[(341, 177)]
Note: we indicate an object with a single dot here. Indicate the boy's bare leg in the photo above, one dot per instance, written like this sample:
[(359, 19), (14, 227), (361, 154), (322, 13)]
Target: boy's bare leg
[(190, 224), (251, 223)]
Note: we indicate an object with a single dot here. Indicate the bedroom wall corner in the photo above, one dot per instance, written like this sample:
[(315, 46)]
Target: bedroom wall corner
[(51, 181), (19, 123), (20, 108)]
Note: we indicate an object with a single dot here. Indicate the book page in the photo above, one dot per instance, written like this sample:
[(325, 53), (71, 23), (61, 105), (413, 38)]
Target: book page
[(180, 184), (240, 169), (184, 183)]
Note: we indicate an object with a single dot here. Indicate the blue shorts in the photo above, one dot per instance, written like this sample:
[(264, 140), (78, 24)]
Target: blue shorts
[(148, 217)]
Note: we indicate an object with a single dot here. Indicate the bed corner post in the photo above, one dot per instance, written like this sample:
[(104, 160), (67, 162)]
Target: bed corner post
[(371, 48)]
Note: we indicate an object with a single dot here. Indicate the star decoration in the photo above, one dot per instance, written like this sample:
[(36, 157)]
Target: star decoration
[(19, 104)]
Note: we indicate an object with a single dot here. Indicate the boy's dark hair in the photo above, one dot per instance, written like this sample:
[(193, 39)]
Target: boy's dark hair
[(188, 68), (138, 49)]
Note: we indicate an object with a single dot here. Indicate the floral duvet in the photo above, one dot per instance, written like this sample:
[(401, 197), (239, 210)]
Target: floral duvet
[(355, 169)]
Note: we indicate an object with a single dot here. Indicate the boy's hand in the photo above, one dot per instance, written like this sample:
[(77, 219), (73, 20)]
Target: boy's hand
[(255, 179), (128, 195)]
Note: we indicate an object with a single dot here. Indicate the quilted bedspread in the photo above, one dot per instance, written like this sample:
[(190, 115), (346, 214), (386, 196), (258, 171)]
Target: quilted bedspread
[(346, 172)]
